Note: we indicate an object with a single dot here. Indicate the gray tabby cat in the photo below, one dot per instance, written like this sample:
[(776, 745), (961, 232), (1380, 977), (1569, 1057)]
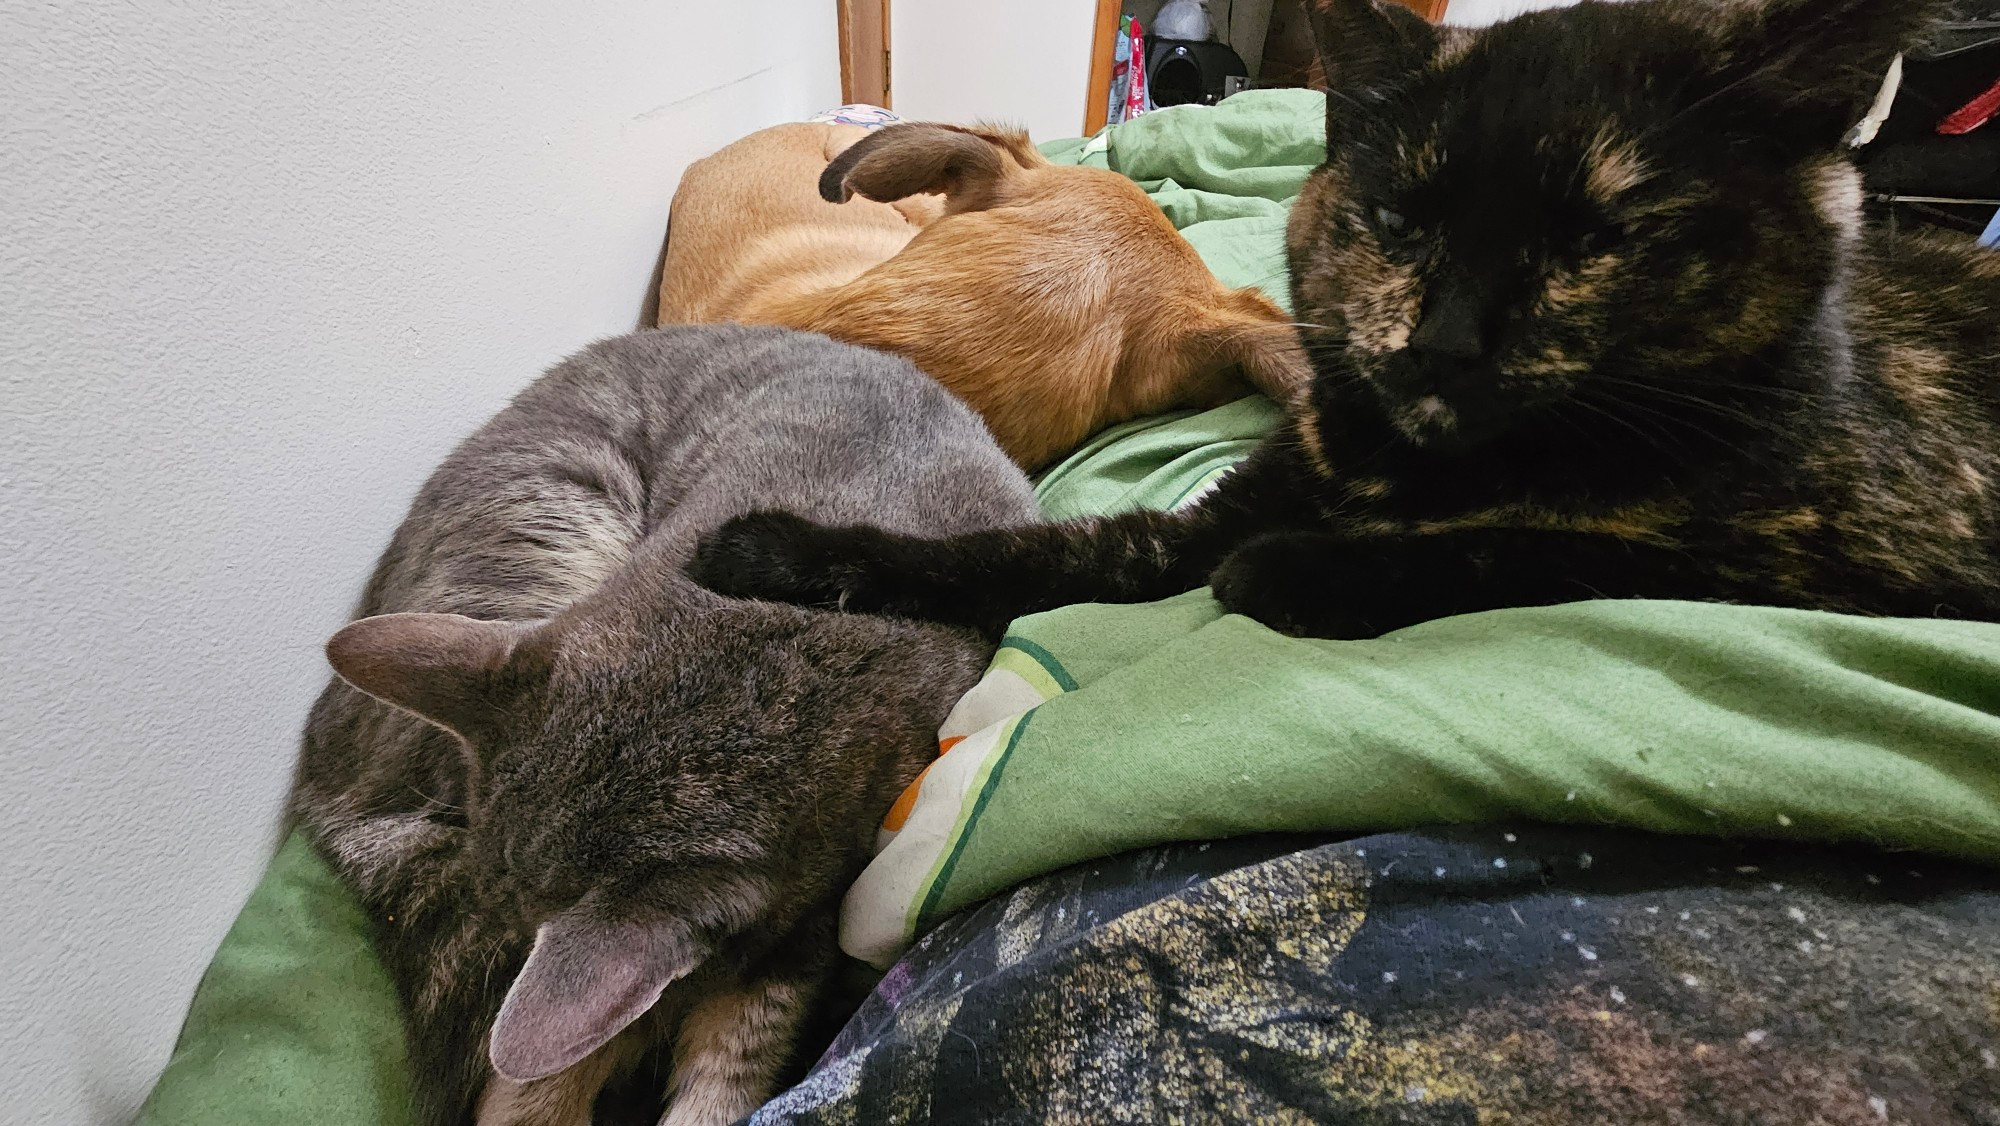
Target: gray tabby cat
[(592, 807)]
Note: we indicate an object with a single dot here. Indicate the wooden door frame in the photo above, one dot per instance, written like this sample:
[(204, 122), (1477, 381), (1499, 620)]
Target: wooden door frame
[(1104, 42), (864, 51)]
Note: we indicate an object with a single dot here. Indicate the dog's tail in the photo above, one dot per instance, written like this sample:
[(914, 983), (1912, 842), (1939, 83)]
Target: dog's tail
[(969, 167), (1260, 339)]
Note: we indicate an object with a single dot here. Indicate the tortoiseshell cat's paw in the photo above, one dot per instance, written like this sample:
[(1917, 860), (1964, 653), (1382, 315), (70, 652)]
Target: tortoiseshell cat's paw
[(780, 557), (1298, 583)]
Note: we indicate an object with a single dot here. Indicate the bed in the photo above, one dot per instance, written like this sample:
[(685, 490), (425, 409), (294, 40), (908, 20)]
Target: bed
[(1623, 862)]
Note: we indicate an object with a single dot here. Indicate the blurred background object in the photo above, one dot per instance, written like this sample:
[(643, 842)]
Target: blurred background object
[(1935, 162)]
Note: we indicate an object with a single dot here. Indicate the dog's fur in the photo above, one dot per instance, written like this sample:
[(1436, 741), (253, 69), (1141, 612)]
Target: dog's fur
[(748, 228), (1055, 300)]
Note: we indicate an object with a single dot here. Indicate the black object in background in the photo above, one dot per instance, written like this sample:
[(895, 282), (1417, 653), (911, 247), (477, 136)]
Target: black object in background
[(1182, 72), (1911, 169)]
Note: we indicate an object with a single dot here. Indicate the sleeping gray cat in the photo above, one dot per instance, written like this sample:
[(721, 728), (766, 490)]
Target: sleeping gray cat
[(609, 815)]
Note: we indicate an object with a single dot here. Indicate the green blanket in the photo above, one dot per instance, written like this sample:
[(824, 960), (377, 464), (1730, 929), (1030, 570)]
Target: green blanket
[(1225, 175), (295, 1021), (1101, 728)]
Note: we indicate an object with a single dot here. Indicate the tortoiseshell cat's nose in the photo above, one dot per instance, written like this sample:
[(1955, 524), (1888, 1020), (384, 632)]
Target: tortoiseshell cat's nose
[(1454, 325)]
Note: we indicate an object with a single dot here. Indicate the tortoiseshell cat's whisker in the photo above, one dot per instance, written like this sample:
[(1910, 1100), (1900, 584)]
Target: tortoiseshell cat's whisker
[(1650, 437), (1637, 392)]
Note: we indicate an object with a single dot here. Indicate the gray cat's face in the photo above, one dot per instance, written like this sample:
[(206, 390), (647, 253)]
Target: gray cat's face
[(647, 794), (660, 784)]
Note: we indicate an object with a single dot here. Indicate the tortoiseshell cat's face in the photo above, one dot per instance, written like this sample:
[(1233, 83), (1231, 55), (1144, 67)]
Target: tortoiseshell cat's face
[(1592, 211)]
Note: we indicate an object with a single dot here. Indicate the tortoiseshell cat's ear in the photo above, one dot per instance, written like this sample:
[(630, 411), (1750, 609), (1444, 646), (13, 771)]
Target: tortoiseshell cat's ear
[(585, 979), (457, 672), (1367, 48), (1813, 65)]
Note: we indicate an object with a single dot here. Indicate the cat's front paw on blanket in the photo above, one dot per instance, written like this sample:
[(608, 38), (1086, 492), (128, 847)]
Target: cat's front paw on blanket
[(1297, 583), (779, 557)]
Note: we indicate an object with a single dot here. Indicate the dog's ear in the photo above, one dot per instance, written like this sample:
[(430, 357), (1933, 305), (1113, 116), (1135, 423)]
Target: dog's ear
[(915, 159)]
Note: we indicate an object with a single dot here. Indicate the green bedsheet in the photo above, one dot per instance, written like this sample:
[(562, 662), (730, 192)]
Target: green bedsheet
[(1101, 729), (1173, 721)]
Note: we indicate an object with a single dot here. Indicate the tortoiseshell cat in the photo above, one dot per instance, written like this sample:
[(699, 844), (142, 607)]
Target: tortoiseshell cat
[(1592, 315)]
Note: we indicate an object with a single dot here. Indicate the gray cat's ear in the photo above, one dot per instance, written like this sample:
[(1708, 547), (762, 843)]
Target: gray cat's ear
[(460, 673), (1368, 48), (1807, 70), (584, 981)]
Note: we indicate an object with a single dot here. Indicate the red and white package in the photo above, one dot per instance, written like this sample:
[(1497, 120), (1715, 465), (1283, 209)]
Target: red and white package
[(1135, 92), (1972, 114)]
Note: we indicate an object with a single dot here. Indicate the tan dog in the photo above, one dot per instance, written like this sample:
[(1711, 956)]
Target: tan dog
[(748, 227), (1054, 300)]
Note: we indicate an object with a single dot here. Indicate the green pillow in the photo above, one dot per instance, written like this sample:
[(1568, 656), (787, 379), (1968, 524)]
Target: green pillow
[(295, 1020)]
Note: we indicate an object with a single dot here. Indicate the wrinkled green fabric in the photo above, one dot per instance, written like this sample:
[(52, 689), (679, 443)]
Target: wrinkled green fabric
[(1154, 462), (1189, 724), (1225, 175), (1258, 145), (295, 1020)]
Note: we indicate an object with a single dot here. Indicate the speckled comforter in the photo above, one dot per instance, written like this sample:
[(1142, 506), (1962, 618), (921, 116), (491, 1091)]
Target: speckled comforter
[(1471, 976)]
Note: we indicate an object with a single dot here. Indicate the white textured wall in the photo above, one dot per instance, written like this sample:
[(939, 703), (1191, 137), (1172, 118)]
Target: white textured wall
[(1022, 62), (260, 266)]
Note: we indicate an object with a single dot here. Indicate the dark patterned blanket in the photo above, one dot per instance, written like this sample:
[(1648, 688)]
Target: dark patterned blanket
[(1473, 976)]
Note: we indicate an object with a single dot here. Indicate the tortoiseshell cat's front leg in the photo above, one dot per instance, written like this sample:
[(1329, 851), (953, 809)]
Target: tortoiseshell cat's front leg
[(1311, 584), (986, 579)]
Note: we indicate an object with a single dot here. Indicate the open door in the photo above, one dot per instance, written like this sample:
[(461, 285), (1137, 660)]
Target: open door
[(1103, 44), (864, 52)]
